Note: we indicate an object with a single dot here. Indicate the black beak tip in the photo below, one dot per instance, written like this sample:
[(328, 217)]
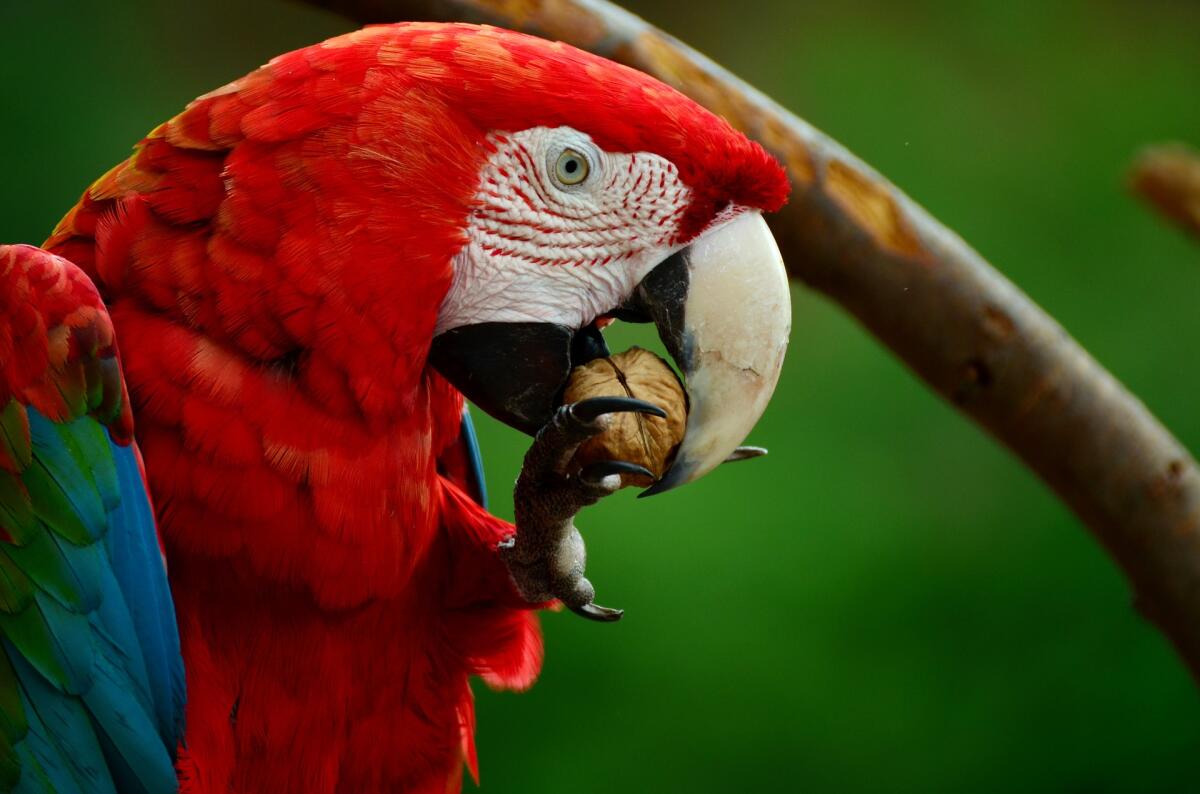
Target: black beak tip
[(677, 475)]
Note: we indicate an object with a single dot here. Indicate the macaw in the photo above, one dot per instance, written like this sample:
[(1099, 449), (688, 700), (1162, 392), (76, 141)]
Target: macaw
[(304, 273)]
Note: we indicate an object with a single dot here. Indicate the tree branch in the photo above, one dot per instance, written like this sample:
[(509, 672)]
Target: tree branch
[(973, 336), (1167, 176)]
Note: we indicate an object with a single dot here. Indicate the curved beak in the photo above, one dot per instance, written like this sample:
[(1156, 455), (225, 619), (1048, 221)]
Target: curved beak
[(724, 312), (722, 308)]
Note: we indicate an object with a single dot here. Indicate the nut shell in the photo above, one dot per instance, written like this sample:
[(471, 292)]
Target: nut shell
[(637, 438)]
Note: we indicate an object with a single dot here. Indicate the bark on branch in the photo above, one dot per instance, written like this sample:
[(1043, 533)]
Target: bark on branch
[(973, 336), (1167, 176)]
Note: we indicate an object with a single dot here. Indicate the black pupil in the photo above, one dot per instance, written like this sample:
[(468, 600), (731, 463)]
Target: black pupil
[(571, 166)]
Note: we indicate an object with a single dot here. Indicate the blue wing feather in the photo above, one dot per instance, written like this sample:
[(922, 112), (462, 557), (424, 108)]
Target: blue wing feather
[(126, 726), (113, 721), (477, 484), (137, 563), (61, 736)]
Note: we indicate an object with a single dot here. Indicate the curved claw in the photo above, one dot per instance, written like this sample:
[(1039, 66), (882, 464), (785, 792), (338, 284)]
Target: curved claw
[(590, 409), (598, 613), (594, 473), (745, 453)]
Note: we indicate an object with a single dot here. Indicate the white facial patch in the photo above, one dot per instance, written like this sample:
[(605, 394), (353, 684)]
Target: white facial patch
[(545, 245)]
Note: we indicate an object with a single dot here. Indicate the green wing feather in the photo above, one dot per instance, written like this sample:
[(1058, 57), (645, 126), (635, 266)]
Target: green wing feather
[(91, 690)]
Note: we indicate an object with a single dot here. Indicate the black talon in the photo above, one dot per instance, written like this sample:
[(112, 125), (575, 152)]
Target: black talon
[(745, 453), (598, 613), (593, 473), (588, 410)]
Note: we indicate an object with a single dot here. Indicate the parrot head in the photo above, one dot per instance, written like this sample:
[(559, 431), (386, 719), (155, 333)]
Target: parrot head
[(505, 197), (603, 194)]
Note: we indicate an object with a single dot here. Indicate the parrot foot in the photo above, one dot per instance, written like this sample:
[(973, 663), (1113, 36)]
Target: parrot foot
[(546, 557)]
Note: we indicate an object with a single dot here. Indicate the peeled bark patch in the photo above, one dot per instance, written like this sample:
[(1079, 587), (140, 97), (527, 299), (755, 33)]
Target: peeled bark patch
[(873, 205), (637, 438)]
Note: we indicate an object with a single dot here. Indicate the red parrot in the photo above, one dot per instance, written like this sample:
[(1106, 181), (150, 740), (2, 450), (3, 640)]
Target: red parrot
[(306, 271)]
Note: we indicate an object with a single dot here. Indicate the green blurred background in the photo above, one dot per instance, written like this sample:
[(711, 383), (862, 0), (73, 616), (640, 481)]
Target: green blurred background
[(890, 601)]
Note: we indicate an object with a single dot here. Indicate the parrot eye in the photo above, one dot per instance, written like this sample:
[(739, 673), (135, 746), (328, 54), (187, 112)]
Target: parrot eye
[(572, 167)]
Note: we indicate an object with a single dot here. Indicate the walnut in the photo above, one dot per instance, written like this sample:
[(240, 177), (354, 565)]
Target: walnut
[(637, 438)]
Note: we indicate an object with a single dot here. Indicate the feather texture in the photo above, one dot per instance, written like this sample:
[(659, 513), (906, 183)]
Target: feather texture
[(83, 706), (274, 258)]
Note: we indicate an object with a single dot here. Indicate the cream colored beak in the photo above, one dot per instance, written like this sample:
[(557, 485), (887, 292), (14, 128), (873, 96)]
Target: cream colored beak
[(729, 338)]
